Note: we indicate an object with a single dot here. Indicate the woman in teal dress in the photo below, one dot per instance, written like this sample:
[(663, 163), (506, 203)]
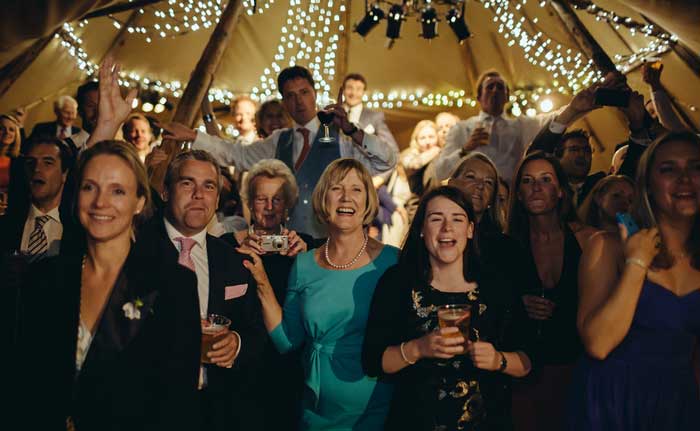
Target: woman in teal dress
[(327, 305)]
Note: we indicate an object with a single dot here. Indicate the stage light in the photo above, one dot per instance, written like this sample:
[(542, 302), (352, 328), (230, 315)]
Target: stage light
[(393, 28), (456, 21), (135, 103), (147, 107), (371, 19), (159, 108), (429, 20), (531, 112)]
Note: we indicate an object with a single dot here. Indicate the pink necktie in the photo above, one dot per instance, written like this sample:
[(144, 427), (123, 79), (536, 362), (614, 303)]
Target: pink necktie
[(185, 258)]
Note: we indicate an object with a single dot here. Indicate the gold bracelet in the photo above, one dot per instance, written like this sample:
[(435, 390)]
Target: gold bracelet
[(638, 262), (403, 355)]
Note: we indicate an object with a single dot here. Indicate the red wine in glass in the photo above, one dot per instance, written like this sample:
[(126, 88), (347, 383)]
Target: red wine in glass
[(326, 118)]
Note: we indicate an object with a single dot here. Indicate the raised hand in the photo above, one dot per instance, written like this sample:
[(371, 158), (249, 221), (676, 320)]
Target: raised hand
[(112, 108), (642, 246), (652, 76)]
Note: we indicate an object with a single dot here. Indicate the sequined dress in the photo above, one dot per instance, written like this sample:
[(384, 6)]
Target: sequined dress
[(437, 394)]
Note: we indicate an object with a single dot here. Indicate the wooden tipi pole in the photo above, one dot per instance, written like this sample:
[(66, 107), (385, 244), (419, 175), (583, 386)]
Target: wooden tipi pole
[(579, 32), (12, 70), (200, 81)]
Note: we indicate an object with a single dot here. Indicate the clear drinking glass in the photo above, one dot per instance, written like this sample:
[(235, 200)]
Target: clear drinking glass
[(212, 331), (326, 118)]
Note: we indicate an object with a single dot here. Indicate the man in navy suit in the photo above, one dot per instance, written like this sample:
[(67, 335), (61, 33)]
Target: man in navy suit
[(66, 110), (191, 195)]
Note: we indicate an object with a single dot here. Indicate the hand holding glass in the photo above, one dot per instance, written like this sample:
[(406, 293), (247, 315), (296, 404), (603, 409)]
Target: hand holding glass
[(214, 328), (455, 315), (326, 118)]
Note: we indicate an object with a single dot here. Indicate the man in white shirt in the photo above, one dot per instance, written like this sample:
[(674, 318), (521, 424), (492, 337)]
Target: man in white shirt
[(299, 146), (66, 110), (502, 138), (243, 109), (37, 230), (191, 194)]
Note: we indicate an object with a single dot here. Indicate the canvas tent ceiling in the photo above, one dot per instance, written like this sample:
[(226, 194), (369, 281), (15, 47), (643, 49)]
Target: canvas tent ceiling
[(439, 65)]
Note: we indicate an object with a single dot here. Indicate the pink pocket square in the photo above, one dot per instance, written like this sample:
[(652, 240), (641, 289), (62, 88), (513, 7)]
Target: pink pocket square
[(231, 292)]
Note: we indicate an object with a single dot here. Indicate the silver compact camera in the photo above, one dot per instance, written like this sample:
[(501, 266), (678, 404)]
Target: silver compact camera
[(274, 243)]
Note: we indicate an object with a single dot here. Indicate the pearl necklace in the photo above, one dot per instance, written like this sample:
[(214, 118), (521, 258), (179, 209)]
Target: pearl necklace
[(349, 264)]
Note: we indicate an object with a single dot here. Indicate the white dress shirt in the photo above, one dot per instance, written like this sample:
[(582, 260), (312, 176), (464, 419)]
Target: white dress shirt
[(52, 228), (201, 263), (354, 113), (376, 155), (507, 144)]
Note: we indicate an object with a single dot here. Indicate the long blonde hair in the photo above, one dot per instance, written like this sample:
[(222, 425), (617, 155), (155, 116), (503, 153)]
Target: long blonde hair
[(14, 148), (416, 130)]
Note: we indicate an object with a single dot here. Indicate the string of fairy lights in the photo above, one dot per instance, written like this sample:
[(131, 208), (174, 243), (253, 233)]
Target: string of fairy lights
[(311, 33)]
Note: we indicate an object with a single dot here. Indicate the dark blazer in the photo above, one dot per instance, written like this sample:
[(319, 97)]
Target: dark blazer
[(49, 129), (138, 374), (227, 389)]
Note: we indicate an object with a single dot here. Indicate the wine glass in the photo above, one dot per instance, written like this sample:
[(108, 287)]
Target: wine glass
[(326, 118)]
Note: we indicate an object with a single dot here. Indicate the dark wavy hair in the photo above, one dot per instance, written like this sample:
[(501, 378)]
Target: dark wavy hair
[(644, 208), (414, 258), (518, 218)]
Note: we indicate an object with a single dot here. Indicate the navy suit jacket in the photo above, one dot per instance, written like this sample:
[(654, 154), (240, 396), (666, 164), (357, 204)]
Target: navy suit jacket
[(49, 129)]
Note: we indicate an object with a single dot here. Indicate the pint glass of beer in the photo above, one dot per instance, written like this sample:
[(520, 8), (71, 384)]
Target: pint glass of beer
[(458, 315), (212, 331)]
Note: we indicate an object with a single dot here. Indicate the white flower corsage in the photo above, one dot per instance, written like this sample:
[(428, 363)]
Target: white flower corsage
[(132, 310)]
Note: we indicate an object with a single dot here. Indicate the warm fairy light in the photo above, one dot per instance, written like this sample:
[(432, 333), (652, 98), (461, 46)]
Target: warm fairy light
[(311, 36)]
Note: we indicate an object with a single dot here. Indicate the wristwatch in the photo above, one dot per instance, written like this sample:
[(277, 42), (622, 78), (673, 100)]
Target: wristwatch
[(351, 131), (504, 363)]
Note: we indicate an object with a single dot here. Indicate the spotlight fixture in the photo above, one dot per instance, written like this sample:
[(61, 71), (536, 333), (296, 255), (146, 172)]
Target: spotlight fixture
[(428, 21), (396, 16), (371, 19), (455, 19)]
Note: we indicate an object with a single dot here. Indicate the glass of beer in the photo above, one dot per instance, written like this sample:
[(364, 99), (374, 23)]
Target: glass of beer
[(457, 315), (212, 331)]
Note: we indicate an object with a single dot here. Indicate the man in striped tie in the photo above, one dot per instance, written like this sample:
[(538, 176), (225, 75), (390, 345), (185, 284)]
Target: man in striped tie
[(37, 229)]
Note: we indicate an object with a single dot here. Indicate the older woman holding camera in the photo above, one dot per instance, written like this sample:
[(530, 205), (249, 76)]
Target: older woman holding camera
[(448, 378), (270, 191), (327, 304)]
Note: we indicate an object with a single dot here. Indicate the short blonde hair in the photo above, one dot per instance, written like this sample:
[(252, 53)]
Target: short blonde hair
[(333, 174), (271, 168), (416, 130)]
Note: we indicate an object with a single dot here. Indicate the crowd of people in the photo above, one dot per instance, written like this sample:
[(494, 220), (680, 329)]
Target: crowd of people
[(333, 258)]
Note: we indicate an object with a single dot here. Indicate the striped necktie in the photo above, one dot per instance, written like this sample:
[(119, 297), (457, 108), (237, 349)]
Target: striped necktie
[(38, 242)]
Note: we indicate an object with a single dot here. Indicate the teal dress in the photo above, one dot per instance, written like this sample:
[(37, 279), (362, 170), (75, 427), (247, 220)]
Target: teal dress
[(326, 312)]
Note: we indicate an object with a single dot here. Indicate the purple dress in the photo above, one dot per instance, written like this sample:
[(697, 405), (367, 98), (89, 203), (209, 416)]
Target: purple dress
[(647, 382)]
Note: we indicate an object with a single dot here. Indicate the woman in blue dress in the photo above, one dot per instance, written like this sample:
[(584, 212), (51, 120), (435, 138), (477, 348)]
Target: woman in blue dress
[(327, 305), (639, 309)]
